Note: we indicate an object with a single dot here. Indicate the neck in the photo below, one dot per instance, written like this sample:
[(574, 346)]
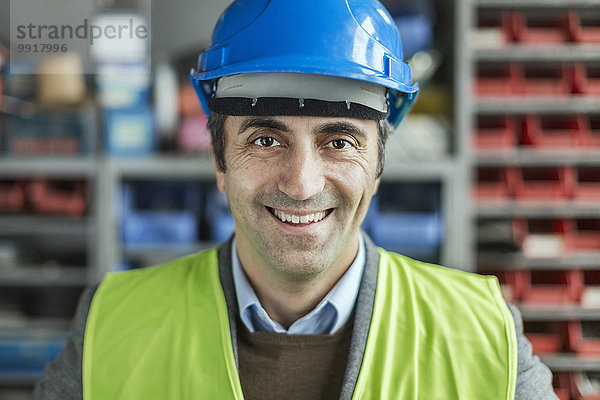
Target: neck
[(285, 298)]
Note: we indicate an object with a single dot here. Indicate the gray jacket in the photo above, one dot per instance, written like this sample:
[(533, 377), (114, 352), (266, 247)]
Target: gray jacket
[(63, 377)]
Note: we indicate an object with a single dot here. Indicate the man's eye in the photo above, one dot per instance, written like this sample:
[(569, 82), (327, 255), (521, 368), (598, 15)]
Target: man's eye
[(266, 141), (339, 144)]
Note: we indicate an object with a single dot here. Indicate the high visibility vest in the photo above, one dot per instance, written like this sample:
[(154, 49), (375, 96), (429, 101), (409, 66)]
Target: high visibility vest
[(163, 333)]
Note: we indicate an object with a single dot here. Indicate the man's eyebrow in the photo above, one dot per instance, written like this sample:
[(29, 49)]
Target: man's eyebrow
[(263, 122), (340, 127)]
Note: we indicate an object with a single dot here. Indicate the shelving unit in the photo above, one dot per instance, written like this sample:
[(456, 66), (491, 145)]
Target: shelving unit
[(474, 100)]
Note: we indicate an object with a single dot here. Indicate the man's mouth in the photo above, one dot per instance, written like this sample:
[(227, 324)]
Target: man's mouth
[(299, 219)]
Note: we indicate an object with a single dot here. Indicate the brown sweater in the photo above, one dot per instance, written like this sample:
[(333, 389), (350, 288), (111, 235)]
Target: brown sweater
[(280, 366)]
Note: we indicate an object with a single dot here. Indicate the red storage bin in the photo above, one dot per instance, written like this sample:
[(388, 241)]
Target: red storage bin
[(493, 31), (497, 79), (494, 183), (543, 183), (563, 384), (67, 198), (583, 234), (541, 238), (512, 284), (584, 30), (591, 133), (552, 287), (546, 80), (590, 297), (587, 186), (496, 132), (545, 337), (12, 196), (584, 336), (534, 30), (586, 79), (553, 130)]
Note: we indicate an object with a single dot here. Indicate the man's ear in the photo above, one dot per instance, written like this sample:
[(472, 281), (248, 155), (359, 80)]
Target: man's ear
[(220, 175)]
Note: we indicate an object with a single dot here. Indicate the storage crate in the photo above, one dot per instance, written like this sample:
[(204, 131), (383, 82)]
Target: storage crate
[(541, 238), (511, 284), (494, 183), (12, 196), (57, 197), (584, 336), (58, 132), (592, 131), (586, 79), (160, 213), (28, 355), (553, 131), (492, 31), (220, 221), (497, 79), (546, 80), (590, 298), (583, 234), (584, 28), (496, 132), (533, 30), (562, 383), (587, 186), (130, 132), (551, 287), (543, 183), (545, 337)]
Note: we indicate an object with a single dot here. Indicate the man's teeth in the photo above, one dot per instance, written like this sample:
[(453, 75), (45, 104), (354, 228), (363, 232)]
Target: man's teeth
[(299, 219)]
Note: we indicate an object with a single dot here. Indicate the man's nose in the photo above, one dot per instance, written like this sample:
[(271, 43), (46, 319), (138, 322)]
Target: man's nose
[(301, 176)]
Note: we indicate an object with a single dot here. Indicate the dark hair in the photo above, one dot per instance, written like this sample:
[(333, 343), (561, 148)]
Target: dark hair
[(216, 126)]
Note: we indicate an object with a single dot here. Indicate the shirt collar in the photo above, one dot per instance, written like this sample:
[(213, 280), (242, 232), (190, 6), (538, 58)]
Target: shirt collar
[(327, 317)]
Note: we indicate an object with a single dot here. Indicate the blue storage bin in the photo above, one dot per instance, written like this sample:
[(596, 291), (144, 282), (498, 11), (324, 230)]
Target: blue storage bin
[(28, 355), (65, 133), (130, 131), (160, 213), (220, 220)]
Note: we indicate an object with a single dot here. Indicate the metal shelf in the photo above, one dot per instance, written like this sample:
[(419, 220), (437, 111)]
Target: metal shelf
[(515, 208), (557, 312), (529, 53), (500, 261), (43, 225), (538, 3), (571, 362), (42, 276), (538, 157), (537, 105), (53, 167), (163, 167)]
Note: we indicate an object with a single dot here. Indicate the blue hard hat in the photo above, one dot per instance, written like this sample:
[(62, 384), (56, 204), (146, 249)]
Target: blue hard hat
[(354, 39)]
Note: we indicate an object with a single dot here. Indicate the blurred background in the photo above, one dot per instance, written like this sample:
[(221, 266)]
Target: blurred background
[(496, 170)]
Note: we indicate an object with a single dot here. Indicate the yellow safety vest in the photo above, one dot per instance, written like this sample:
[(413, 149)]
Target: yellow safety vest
[(163, 333)]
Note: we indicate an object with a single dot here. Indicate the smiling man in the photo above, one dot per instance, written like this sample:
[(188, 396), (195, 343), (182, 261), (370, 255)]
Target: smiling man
[(299, 303)]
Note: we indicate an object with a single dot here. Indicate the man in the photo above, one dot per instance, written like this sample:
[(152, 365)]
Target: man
[(299, 304)]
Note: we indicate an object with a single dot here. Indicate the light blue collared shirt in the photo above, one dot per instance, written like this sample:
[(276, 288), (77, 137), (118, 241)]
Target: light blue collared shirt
[(328, 316)]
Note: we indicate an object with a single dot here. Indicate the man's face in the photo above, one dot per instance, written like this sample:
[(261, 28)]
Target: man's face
[(298, 189)]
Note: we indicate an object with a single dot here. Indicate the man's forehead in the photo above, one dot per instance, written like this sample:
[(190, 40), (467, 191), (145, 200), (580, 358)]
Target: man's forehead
[(293, 124)]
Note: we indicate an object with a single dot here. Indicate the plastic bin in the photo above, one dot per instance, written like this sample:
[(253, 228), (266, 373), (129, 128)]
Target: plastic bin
[(587, 185), (592, 132), (160, 213), (584, 234), (497, 79), (546, 80), (130, 132), (492, 32), (553, 131), (28, 356), (220, 221), (494, 183), (511, 283), (552, 287), (586, 79), (57, 197), (496, 132), (584, 336), (545, 337), (531, 29), (12, 196), (541, 238), (590, 297), (543, 183), (584, 28), (59, 132)]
